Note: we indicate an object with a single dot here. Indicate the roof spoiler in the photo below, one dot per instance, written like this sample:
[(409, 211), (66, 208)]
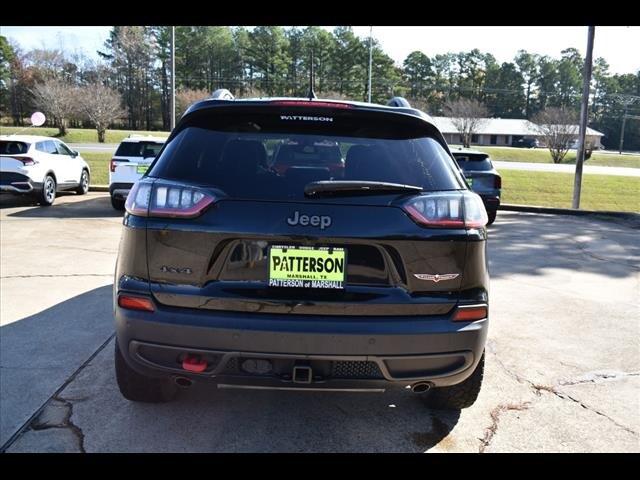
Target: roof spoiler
[(222, 94), (398, 102)]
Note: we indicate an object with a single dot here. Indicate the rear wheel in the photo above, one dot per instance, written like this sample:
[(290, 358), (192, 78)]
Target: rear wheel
[(47, 195), (139, 388), (492, 216), (459, 396), (84, 183), (117, 203)]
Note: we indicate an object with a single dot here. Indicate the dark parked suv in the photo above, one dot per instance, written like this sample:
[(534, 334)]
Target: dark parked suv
[(359, 278)]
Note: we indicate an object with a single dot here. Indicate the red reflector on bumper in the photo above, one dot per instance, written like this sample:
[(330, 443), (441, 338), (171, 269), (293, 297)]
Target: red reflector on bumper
[(135, 303), (471, 313), (194, 364)]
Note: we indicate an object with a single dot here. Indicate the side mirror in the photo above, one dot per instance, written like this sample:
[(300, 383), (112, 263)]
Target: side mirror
[(74, 153)]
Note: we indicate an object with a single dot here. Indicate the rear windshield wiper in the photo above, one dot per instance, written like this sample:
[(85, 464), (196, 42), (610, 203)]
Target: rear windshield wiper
[(332, 188)]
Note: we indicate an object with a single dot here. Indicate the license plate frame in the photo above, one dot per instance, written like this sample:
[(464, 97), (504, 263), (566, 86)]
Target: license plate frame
[(310, 274)]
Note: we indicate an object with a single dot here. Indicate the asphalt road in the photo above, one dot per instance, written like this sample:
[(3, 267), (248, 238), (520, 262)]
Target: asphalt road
[(562, 371)]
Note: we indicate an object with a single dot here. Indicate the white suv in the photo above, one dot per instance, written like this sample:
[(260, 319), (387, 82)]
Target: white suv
[(40, 166), (130, 162)]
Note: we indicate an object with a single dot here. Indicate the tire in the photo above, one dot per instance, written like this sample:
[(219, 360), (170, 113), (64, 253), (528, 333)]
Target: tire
[(117, 203), (47, 195), (83, 188), (459, 396), (139, 388), (492, 216)]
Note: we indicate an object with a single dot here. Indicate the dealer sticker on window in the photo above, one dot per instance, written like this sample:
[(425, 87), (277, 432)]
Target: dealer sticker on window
[(307, 267)]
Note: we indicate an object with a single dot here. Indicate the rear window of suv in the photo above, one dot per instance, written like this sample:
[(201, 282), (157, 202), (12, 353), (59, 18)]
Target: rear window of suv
[(138, 149), (13, 148), (269, 158), (473, 162)]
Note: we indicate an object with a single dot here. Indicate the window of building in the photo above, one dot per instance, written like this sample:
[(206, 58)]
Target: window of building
[(494, 139)]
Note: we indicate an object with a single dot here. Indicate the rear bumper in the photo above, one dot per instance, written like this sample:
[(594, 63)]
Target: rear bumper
[(491, 202), (343, 352), (120, 190), (11, 182)]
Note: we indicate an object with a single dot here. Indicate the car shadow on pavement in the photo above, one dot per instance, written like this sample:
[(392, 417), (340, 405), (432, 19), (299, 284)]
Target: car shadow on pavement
[(40, 352), (528, 244), (71, 206)]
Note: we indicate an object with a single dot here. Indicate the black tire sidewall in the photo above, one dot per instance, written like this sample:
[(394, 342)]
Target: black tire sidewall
[(42, 197)]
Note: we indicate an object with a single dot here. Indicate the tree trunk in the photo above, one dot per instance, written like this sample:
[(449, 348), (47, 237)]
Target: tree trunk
[(101, 133)]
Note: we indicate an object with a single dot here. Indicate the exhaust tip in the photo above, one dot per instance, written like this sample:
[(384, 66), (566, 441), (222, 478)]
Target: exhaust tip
[(183, 382), (420, 387)]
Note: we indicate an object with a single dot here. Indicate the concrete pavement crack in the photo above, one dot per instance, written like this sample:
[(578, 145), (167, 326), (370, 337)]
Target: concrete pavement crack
[(70, 379), (66, 423), (491, 430), (539, 388)]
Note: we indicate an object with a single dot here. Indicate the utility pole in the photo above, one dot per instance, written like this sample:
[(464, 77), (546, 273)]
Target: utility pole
[(584, 113), (173, 78), (370, 58)]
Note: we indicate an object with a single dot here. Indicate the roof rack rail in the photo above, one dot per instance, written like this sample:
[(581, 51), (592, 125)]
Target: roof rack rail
[(222, 94), (398, 102)]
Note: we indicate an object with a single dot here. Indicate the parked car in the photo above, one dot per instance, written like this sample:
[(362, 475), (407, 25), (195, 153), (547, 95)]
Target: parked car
[(41, 167), (526, 143), (233, 273), (482, 177), (131, 160)]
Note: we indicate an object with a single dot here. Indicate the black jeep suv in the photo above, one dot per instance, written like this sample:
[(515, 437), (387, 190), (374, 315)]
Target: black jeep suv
[(362, 274)]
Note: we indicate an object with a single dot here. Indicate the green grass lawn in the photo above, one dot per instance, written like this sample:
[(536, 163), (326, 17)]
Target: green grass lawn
[(80, 135), (99, 164), (541, 155), (550, 189)]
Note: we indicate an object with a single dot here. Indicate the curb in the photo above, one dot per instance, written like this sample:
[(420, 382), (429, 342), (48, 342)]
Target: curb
[(627, 216), (98, 188)]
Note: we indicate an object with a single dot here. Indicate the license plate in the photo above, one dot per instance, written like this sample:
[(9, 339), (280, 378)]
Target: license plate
[(307, 267), (142, 169)]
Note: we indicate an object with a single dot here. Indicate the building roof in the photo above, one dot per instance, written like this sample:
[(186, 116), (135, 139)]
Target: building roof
[(500, 126), (25, 138)]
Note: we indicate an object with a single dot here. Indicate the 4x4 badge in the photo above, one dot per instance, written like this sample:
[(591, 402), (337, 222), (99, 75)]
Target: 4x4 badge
[(437, 277)]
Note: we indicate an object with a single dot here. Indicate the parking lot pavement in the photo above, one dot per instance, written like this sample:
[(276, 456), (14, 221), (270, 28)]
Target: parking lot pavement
[(562, 369)]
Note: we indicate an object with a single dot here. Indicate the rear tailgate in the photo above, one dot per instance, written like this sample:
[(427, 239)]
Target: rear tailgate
[(221, 261)]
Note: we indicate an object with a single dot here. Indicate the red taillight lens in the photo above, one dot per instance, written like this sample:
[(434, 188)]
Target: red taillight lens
[(309, 103), (112, 165), (135, 303), (497, 182), (167, 200), (447, 210), (470, 313)]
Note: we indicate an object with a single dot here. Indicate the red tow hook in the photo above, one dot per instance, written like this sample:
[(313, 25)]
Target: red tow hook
[(194, 364)]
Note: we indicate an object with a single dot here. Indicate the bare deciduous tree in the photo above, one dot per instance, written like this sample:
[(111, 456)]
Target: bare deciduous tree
[(558, 130), (101, 106), (58, 100), (467, 116), (187, 96)]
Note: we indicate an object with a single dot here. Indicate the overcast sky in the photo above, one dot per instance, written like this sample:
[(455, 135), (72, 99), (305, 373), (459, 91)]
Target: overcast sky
[(618, 45)]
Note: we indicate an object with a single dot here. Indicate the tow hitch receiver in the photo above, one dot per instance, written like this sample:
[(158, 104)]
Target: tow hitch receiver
[(302, 374), (194, 364)]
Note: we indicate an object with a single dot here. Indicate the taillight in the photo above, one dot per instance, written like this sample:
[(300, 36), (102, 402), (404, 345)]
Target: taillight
[(112, 165), (497, 182), (447, 210), (167, 200), (26, 161), (470, 313), (135, 303), (310, 103)]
